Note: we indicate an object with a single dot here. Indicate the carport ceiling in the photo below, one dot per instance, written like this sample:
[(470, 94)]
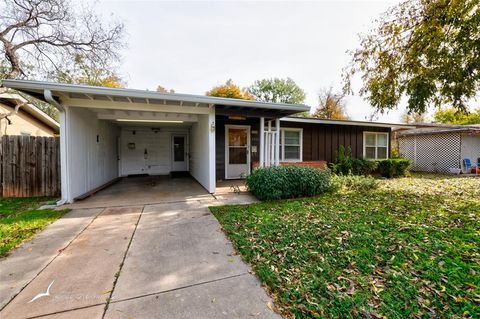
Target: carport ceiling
[(143, 116)]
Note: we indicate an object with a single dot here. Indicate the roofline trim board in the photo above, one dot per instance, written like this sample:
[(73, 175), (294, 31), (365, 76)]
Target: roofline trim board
[(343, 122)]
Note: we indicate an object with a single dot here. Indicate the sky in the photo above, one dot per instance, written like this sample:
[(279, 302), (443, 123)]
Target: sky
[(192, 46)]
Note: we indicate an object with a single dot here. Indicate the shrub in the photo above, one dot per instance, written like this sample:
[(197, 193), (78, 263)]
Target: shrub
[(289, 181), (363, 167), (394, 167), (343, 163), (354, 182)]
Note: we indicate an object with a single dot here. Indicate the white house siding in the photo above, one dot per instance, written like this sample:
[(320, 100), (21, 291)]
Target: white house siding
[(433, 152), (158, 144), (471, 147), (90, 163), (202, 151)]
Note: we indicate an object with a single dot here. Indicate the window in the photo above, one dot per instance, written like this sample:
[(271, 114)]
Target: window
[(291, 145), (375, 145)]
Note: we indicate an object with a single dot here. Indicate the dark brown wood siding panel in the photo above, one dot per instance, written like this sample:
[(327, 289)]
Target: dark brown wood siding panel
[(321, 141), (220, 122)]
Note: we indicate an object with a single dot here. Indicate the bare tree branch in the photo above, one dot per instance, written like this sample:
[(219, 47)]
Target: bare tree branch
[(55, 31)]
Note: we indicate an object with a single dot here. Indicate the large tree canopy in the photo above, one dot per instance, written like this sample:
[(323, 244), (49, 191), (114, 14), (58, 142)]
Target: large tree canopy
[(453, 116), (230, 90), (425, 50), (278, 91), (331, 105), (84, 72), (38, 36)]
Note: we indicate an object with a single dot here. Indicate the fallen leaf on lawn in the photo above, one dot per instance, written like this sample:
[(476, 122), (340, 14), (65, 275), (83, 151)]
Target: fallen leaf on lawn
[(351, 289), (270, 305), (331, 287), (472, 285)]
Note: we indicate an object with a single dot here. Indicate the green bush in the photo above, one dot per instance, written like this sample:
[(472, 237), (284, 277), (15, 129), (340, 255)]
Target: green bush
[(354, 183), (364, 167), (343, 163), (280, 182), (394, 167)]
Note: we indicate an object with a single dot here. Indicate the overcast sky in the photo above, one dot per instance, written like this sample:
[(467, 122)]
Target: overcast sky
[(193, 46)]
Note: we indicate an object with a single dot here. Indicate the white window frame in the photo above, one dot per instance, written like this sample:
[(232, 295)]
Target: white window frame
[(376, 144), (282, 144)]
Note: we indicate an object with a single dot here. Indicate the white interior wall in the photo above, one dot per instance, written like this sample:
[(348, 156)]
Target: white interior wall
[(90, 163), (158, 144), (202, 151)]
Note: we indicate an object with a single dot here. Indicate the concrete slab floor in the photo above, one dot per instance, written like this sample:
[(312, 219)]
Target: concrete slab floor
[(166, 260), (144, 190)]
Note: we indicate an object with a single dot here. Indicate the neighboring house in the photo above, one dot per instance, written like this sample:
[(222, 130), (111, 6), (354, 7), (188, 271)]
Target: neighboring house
[(440, 147), (108, 133), (28, 120)]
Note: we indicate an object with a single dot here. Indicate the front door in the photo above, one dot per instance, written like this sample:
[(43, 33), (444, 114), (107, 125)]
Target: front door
[(237, 151), (179, 153)]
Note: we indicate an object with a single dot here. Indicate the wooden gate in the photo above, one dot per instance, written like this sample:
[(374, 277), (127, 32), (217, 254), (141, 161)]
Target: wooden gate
[(29, 166)]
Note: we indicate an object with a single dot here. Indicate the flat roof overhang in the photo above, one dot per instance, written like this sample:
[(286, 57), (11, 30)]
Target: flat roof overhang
[(68, 93), (344, 122)]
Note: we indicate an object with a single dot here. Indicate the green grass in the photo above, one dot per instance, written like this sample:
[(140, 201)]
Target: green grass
[(20, 219), (409, 249)]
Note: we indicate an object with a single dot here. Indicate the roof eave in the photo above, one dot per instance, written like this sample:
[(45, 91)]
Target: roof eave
[(39, 86), (345, 122)]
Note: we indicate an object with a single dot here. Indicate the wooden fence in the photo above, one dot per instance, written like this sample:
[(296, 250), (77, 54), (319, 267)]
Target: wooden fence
[(29, 166)]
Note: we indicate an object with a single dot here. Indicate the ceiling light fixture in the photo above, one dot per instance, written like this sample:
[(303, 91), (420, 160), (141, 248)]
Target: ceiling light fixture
[(148, 121)]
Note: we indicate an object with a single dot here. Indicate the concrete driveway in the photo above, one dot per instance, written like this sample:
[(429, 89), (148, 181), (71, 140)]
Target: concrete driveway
[(165, 260)]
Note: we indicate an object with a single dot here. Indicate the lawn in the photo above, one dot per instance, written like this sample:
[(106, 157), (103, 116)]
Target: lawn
[(409, 249), (20, 219)]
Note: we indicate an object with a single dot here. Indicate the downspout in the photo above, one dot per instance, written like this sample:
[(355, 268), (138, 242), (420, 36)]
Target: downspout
[(47, 94)]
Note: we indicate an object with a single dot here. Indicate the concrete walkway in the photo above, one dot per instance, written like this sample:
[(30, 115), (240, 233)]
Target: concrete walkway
[(166, 260)]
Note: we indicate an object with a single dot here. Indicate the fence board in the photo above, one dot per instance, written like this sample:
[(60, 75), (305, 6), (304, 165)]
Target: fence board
[(29, 166)]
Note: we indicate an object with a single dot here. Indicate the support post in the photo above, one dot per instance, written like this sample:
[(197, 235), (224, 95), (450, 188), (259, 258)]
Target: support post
[(262, 142), (64, 173), (270, 145), (277, 142)]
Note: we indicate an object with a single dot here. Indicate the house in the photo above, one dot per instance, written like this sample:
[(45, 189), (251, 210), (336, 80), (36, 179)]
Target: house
[(108, 133), (440, 147), (27, 121)]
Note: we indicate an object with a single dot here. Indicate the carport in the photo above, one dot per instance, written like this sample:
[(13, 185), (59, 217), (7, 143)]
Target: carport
[(106, 134), (111, 133)]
